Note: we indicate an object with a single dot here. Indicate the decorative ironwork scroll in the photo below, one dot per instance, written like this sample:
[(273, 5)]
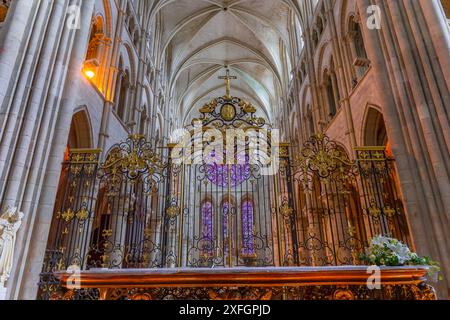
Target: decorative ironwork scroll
[(229, 112), (340, 204), (141, 210), (70, 228)]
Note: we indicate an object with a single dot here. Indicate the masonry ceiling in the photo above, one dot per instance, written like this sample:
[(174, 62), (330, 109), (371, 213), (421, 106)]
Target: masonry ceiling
[(203, 36)]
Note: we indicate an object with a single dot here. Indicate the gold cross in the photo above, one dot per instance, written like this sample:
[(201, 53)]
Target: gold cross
[(227, 79)]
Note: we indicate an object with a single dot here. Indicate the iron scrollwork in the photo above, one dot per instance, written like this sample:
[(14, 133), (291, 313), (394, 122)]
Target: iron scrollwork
[(138, 211)]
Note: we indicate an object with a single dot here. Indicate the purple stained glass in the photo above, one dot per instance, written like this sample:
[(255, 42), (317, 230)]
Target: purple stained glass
[(226, 211), (207, 228), (218, 173), (248, 248)]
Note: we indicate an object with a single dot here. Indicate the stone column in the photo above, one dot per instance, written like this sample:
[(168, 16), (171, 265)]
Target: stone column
[(412, 125), (40, 184), (34, 107), (13, 37), (340, 84), (136, 107), (439, 32)]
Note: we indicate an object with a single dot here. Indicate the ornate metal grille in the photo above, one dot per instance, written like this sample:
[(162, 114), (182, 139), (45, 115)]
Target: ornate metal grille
[(138, 211)]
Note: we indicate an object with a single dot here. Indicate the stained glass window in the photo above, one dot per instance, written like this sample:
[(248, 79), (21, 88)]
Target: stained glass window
[(248, 244), (218, 173), (207, 229), (227, 210)]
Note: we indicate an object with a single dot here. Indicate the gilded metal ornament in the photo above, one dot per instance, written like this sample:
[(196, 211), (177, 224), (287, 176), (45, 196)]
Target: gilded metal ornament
[(139, 210)]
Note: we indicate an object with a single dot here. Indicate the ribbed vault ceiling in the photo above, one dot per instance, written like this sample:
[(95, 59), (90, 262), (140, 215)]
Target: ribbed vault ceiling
[(248, 36)]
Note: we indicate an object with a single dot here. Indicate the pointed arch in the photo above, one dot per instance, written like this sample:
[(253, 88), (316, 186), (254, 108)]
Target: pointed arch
[(374, 129), (207, 228), (80, 134), (228, 208), (248, 249)]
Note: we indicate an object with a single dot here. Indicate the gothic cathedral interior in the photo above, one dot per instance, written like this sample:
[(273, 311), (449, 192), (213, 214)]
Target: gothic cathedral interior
[(224, 149)]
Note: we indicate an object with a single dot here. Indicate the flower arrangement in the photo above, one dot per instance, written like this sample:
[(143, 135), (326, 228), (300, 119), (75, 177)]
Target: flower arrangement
[(384, 251)]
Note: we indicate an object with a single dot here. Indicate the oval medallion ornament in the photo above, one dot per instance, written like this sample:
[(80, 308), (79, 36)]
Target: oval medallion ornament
[(228, 112)]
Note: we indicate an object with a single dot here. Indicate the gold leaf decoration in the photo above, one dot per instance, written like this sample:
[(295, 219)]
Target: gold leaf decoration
[(389, 212), (323, 156), (83, 214), (68, 215), (286, 211), (173, 212), (107, 233), (374, 211)]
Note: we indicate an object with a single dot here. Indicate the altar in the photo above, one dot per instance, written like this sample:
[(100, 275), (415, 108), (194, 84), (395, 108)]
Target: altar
[(297, 283)]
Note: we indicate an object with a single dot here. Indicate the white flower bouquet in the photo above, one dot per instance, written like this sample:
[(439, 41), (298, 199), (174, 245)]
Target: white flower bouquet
[(384, 251)]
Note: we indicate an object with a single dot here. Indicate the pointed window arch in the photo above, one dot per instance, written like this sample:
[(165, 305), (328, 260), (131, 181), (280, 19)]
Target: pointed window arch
[(228, 209), (331, 91), (375, 133), (248, 228), (357, 49), (96, 40), (143, 120), (331, 99), (359, 42), (310, 120), (122, 99), (207, 228)]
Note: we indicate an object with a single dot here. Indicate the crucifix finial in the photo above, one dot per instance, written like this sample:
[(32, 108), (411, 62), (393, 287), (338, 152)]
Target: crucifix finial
[(228, 79)]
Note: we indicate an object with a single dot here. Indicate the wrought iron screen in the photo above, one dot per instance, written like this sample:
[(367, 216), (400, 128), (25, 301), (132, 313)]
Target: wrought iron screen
[(137, 210)]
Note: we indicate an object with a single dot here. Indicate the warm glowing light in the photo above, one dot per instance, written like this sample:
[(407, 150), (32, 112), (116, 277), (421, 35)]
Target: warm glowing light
[(389, 152), (89, 73)]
